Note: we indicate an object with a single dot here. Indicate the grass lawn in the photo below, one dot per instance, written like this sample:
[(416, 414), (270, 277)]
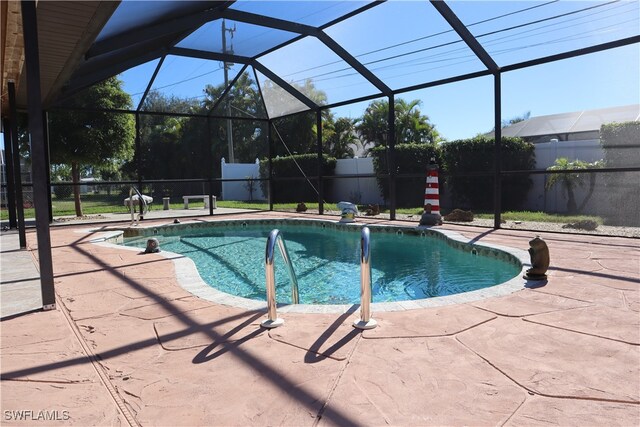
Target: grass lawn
[(525, 216), (102, 204), (93, 204)]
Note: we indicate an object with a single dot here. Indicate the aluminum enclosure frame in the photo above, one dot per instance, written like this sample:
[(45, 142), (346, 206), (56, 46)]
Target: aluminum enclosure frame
[(157, 40)]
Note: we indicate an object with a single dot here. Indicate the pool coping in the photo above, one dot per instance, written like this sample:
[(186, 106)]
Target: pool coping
[(189, 279)]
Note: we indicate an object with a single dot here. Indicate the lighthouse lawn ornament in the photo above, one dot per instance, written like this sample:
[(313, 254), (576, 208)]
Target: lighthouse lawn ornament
[(431, 215)]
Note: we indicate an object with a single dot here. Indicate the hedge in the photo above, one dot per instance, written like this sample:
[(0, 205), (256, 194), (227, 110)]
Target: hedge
[(296, 191), (62, 191), (411, 158), (477, 155), (621, 145)]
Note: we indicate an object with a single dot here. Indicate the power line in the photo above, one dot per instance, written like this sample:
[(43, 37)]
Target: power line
[(428, 36), (182, 81), (314, 77), (324, 76), (472, 57), (457, 40), (365, 53)]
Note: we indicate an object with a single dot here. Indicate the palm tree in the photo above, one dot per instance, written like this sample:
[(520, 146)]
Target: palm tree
[(372, 126), (570, 181), (340, 138), (411, 124)]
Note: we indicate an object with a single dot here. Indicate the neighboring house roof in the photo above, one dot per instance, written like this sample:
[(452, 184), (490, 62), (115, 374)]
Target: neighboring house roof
[(579, 121)]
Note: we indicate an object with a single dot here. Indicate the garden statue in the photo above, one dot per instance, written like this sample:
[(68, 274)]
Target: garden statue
[(301, 207), (349, 211), (539, 252), (153, 245), (373, 210)]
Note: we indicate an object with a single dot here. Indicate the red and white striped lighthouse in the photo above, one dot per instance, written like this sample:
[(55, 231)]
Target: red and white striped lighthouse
[(431, 191)]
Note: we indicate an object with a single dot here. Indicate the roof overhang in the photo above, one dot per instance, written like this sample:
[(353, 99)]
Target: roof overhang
[(66, 30)]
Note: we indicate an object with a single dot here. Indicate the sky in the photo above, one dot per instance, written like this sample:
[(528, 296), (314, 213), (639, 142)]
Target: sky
[(406, 43)]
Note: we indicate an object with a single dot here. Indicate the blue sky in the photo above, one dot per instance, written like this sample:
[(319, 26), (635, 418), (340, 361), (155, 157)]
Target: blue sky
[(408, 42)]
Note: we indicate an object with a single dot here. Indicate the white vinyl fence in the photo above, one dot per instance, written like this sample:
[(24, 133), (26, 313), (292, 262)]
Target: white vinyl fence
[(365, 190), (356, 190), (240, 190), (554, 199)]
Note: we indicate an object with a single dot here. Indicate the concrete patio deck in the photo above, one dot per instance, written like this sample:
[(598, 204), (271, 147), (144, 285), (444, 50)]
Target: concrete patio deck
[(128, 346)]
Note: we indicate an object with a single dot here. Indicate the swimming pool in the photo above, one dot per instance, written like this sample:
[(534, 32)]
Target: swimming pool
[(407, 263)]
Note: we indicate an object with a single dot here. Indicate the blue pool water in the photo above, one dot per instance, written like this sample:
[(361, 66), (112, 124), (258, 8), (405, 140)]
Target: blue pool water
[(327, 263)]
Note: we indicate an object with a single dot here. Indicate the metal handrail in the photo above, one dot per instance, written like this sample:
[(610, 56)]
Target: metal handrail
[(366, 322), (276, 237), (144, 209)]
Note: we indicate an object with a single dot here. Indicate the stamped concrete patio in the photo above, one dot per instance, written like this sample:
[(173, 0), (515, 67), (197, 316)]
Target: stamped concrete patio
[(128, 346)]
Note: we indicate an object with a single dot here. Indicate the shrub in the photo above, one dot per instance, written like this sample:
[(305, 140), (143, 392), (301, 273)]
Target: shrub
[(286, 167), (62, 191), (411, 158), (621, 145), (476, 155)]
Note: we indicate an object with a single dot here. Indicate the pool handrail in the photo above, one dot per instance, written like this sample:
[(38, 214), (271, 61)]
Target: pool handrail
[(276, 237), (365, 322), (143, 210)]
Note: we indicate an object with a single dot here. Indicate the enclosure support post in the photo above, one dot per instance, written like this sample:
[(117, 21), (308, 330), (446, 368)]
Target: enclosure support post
[(497, 156), (38, 152), (138, 153), (391, 156), (270, 176), (45, 121), (209, 158), (17, 173), (320, 176), (11, 186)]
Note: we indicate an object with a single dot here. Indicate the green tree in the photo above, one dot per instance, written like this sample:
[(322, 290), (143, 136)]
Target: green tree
[(570, 181), (297, 133), (339, 137), (79, 137), (242, 100), (161, 154), (516, 119), (411, 125)]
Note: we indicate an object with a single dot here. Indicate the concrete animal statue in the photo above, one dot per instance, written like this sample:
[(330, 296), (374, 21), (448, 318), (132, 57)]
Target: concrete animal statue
[(153, 246), (539, 253), (373, 210)]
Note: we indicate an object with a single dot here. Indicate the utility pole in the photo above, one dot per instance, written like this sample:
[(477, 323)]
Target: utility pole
[(226, 83)]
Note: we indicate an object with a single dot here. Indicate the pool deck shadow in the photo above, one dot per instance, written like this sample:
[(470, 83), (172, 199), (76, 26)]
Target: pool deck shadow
[(126, 345)]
